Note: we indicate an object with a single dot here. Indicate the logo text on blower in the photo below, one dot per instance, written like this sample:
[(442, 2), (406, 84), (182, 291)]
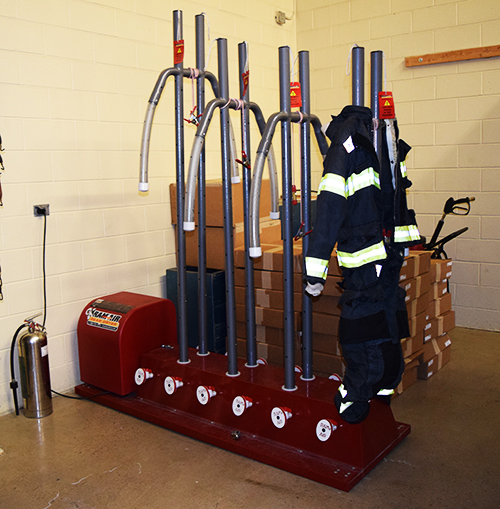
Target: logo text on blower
[(102, 319)]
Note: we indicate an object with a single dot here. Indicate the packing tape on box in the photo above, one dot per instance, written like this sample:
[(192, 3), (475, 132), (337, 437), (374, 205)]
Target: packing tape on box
[(260, 333), (266, 279), (435, 345), (267, 257), (259, 315), (261, 298)]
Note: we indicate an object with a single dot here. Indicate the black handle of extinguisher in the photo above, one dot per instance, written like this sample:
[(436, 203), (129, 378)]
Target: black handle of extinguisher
[(13, 383)]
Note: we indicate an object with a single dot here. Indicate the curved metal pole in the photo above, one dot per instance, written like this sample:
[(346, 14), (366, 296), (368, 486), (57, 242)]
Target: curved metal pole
[(271, 163), (199, 140), (194, 160), (262, 152), (148, 121)]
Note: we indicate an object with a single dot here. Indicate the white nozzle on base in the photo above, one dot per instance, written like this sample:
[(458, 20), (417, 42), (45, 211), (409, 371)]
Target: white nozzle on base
[(235, 180), (255, 252), (143, 187), (274, 215), (188, 226)]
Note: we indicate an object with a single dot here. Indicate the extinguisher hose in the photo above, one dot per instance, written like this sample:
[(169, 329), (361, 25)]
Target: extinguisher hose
[(13, 382)]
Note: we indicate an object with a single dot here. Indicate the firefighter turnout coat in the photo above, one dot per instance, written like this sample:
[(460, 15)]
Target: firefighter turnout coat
[(361, 208)]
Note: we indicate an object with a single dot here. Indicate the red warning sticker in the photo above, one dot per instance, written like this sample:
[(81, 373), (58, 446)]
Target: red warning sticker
[(295, 95), (386, 105), (244, 78), (178, 51)]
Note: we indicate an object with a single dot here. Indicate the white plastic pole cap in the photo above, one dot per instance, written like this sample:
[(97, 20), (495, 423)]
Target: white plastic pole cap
[(274, 215), (143, 187), (188, 226), (255, 252), (235, 180)]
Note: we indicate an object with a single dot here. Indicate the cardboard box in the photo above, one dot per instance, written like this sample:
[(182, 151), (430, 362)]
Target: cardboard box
[(269, 335), (326, 304), (443, 304), (418, 305), (267, 298), (269, 280), (215, 244), (440, 269), (268, 317), (410, 373), (412, 345), (430, 330), (214, 205), (416, 286), (325, 364), (327, 343), (325, 324), (429, 368), (435, 346), (446, 322), (431, 310), (271, 259), (271, 353), (422, 261), (416, 324), (408, 269), (410, 289), (438, 289)]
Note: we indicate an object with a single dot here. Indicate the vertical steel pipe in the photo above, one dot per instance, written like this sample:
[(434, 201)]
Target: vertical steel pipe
[(376, 71), (202, 233), (305, 203), (232, 354), (286, 159), (249, 276), (181, 239), (358, 76)]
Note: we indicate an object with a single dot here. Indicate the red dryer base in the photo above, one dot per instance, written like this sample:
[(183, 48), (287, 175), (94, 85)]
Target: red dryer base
[(297, 431)]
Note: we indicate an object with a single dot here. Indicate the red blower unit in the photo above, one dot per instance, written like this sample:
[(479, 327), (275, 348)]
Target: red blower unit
[(115, 330)]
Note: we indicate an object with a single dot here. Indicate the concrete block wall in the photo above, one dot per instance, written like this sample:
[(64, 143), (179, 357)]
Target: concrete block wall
[(449, 113), (75, 78)]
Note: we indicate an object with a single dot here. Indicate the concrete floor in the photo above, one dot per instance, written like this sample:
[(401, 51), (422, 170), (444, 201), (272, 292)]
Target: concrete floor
[(88, 456)]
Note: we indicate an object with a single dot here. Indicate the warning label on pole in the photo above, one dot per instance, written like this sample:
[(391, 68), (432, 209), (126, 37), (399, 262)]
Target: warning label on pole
[(295, 95), (178, 51), (386, 105)]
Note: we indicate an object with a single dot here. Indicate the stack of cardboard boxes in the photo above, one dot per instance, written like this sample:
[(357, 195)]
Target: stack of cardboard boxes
[(270, 230), (268, 281), (427, 299), (428, 302)]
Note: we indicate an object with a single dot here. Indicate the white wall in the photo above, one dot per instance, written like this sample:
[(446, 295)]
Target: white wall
[(75, 78), (449, 113)]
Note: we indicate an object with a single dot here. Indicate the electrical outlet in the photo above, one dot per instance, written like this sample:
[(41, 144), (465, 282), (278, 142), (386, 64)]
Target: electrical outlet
[(280, 17), (41, 210)]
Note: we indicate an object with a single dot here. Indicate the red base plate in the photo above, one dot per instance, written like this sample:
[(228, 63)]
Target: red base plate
[(341, 461)]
